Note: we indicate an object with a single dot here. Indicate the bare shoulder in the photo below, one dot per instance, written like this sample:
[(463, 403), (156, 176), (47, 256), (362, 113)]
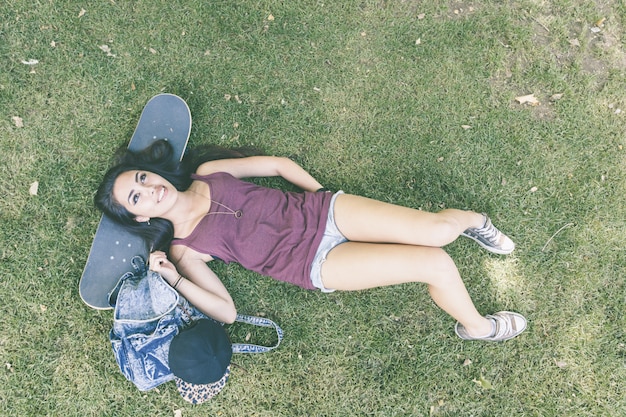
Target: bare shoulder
[(180, 254)]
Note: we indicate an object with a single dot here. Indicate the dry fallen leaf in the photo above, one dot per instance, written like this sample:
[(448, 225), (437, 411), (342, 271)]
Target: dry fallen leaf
[(178, 413), (17, 121), (528, 99), (561, 364), (483, 383), (82, 12), (34, 187), (105, 48), (152, 50), (466, 127), (555, 97), (43, 308), (418, 41), (421, 16), (270, 18)]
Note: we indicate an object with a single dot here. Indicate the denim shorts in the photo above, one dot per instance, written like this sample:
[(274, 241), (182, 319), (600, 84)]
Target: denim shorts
[(332, 237)]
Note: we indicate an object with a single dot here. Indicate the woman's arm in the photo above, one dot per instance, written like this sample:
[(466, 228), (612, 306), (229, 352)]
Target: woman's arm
[(198, 284), (263, 166)]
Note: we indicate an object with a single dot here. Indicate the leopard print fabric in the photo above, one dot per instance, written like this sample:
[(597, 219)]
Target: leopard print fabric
[(199, 393)]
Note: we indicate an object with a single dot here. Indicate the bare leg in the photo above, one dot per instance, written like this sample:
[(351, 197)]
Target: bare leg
[(409, 253), (357, 265), (366, 220)]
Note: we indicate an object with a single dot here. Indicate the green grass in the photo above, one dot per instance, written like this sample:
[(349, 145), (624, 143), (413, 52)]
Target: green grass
[(346, 89)]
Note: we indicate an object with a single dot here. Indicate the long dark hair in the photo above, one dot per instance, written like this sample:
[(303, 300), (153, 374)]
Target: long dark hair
[(158, 233)]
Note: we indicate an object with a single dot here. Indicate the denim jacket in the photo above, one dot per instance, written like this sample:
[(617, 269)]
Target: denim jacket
[(148, 314)]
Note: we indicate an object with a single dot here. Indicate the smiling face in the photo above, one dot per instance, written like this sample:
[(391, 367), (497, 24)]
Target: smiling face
[(144, 194)]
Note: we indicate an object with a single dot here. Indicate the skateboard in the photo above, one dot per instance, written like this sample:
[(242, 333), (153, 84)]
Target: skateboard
[(165, 116)]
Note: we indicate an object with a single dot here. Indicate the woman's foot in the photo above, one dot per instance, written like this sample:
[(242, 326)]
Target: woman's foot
[(506, 325), (490, 238)]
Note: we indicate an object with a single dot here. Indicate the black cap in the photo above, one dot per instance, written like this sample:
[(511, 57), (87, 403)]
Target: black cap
[(200, 356)]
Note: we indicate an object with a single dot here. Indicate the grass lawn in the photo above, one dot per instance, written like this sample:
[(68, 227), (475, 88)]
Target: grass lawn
[(413, 102)]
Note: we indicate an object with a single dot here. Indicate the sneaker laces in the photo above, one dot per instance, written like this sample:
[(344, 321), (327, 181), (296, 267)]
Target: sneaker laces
[(490, 233), (503, 327)]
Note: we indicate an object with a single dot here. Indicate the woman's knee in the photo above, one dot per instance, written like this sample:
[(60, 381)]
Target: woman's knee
[(438, 268), (443, 263), (447, 227)]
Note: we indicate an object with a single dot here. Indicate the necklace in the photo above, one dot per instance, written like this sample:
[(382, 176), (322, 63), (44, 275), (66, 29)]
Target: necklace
[(236, 213)]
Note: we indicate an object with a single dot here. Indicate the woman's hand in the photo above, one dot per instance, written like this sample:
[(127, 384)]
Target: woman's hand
[(159, 263)]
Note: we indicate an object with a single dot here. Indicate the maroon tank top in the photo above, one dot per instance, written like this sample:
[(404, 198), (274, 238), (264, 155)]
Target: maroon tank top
[(272, 232)]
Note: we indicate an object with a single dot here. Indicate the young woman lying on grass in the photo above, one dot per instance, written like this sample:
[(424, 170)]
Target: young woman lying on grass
[(199, 210)]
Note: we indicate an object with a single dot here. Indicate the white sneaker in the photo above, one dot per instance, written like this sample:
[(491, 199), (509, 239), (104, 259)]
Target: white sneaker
[(490, 238), (506, 325)]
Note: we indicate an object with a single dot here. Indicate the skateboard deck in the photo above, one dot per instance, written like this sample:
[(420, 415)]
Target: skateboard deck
[(165, 116)]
